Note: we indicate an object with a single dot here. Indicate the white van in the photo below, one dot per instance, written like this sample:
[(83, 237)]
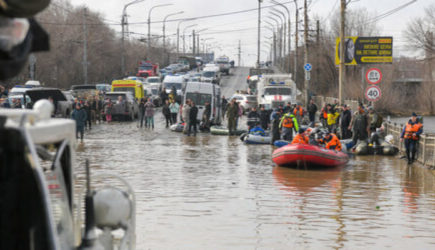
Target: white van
[(211, 74), (202, 92)]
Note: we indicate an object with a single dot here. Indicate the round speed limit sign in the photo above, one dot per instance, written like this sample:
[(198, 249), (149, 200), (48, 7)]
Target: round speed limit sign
[(373, 93)]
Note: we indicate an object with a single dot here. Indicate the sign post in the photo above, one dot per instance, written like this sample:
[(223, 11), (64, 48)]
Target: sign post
[(374, 76)]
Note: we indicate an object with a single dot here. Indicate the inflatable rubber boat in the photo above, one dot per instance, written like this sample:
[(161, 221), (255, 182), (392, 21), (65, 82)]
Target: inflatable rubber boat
[(256, 139), (309, 156), (220, 130), (177, 127)]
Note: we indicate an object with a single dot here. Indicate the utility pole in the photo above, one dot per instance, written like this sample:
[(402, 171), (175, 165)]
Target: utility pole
[(306, 83), (122, 43), (197, 44), (296, 41), (318, 51), (240, 54), (85, 46), (259, 32), (194, 42), (341, 72)]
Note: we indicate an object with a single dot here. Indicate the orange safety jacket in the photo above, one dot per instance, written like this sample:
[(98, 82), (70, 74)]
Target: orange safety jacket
[(324, 113), (300, 138), (301, 111), (334, 143), (411, 130), (288, 122)]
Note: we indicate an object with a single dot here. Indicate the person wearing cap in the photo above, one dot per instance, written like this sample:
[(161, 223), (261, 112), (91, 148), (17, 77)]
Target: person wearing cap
[(411, 134), (253, 118), (332, 142), (359, 125), (301, 137), (312, 109), (345, 118), (276, 118), (373, 118)]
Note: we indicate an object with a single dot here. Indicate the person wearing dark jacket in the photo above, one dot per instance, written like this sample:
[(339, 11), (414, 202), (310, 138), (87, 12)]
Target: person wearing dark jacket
[(264, 118), (167, 113), (276, 119), (87, 108), (411, 135), (192, 118), (312, 109), (164, 95), (141, 111), (253, 118), (346, 117), (206, 117), (224, 106), (80, 117)]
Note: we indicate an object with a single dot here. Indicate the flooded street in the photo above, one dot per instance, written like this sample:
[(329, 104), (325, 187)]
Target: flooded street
[(214, 192)]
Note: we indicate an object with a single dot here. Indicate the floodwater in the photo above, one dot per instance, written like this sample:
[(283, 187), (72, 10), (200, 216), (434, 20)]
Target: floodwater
[(214, 192)]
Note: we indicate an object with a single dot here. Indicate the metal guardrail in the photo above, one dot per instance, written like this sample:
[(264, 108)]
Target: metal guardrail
[(426, 144)]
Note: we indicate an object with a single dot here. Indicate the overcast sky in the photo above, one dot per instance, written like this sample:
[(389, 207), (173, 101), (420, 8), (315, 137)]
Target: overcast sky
[(246, 23)]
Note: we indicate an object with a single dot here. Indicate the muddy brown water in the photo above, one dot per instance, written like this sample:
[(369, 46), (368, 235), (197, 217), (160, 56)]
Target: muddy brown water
[(214, 192)]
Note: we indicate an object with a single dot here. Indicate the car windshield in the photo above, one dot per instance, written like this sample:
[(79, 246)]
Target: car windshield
[(277, 91), (145, 67), (114, 97), (208, 74), (169, 85), (252, 98), (153, 80), (198, 98), (125, 89)]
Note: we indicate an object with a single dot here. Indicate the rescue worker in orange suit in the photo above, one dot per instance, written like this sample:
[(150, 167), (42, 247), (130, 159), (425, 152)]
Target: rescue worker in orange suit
[(411, 134), (301, 137), (287, 124), (298, 112), (332, 142)]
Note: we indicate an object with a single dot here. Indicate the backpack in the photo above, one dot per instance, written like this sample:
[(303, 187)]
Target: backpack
[(379, 121)]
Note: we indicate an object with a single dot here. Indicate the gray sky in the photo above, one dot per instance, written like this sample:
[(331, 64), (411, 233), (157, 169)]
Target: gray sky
[(246, 23)]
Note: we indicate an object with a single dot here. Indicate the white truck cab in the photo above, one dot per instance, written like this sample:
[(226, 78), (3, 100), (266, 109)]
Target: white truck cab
[(276, 89)]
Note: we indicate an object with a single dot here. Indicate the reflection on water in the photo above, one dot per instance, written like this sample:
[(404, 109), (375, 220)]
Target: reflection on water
[(214, 192)]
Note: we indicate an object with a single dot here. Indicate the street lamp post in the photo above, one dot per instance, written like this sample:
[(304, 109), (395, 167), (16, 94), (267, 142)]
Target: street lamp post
[(149, 21), (289, 31), (282, 39), (184, 37), (164, 32), (273, 40), (296, 41), (178, 33), (123, 21), (259, 32), (280, 34)]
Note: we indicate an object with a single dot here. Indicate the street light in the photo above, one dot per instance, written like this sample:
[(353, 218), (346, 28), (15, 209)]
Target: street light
[(197, 39), (149, 21), (281, 33), (184, 37), (178, 32), (259, 32), (123, 21), (281, 16), (289, 31), (277, 25), (164, 27)]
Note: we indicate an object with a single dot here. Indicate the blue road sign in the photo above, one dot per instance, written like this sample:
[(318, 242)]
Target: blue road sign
[(308, 67)]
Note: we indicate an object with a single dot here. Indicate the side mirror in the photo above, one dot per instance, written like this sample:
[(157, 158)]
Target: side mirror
[(113, 208)]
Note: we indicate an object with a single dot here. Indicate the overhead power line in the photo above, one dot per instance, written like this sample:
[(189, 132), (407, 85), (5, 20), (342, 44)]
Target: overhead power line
[(390, 12)]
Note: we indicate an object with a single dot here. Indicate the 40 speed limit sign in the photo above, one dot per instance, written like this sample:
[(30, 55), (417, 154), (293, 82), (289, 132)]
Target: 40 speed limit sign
[(373, 93)]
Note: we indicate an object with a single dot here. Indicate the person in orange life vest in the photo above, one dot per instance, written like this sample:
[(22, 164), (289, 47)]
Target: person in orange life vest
[(411, 134), (288, 123), (301, 137), (332, 142), (323, 117), (298, 112)]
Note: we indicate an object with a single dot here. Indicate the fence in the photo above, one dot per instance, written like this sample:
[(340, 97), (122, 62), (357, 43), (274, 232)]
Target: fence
[(426, 144)]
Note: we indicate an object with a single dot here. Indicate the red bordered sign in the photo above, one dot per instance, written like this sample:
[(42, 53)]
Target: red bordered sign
[(374, 76), (373, 93)]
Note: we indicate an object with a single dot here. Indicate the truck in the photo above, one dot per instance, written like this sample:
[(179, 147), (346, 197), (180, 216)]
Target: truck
[(275, 90), (187, 60), (224, 64), (147, 68)]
